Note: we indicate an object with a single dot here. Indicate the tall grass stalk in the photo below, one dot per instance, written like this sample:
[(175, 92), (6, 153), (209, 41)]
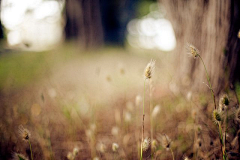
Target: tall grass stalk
[(143, 120), (147, 75), (209, 82), (30, 146), (172, 153), (151, 118), (215, 106), (150, 106), (195, 53), (222, 141), (225, 136)]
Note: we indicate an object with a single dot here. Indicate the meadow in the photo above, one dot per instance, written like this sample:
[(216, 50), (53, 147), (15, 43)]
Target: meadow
[(110, 103)]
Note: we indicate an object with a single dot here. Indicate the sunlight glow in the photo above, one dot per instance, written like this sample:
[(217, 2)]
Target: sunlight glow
[(32, 24), (151, 32)]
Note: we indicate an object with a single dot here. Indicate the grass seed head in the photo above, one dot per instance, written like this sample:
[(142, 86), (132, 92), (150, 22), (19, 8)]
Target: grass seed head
[(156, 110), (165, 141), (216, 116), (223, 102), (154, 144), (199, 143), (149, 69), (222, 108), (115, 147), (146, 144), (101, 147), (75, 151), (24, 133), (193, 51), (70, 156), (186, 158)]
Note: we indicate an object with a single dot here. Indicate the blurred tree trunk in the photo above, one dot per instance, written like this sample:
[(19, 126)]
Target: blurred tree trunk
[(1, 31), (115, 17), (83, 22), (212, 27)]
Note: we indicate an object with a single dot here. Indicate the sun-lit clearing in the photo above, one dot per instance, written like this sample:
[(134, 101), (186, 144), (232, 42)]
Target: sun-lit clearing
[(32, 24), (151, 32)]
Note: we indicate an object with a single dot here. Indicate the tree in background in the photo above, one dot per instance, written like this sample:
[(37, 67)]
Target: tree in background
[(115, 17), (97, 22), (211, 26), (83, 22), (1, 31)]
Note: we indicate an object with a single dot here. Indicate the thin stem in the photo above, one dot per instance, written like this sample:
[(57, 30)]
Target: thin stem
[(226, 126), (172, 153), (144, 95), (151, 118), (209, 82), (222, 142), (150, 107), (30, 149), (143, 119), (220, 133)]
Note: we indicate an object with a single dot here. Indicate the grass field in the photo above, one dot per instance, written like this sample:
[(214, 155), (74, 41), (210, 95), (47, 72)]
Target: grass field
[(77, 104)]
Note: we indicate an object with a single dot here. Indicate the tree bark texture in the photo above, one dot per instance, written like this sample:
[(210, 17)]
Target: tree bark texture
[(211, 26)]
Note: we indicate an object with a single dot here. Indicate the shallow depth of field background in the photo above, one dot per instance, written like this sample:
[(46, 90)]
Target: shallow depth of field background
[(72, 73)]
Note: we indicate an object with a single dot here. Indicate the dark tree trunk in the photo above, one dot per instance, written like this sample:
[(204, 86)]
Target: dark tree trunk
[(1, 31), (83, 22), (115, 17), (212, 27), (94, 22)]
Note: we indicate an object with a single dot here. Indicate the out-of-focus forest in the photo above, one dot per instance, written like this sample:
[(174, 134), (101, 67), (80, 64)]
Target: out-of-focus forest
[(120, 79)]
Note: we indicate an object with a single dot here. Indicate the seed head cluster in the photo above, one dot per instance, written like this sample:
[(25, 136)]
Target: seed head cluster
[(165, 141), (223, 102), (146, 144), (24, 133), (72, 155), (115, 147), (193, 51), (149, 69), (216, 116)]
